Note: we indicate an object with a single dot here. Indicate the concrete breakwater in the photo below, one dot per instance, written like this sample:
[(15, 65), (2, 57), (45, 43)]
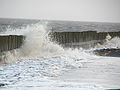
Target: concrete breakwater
[(67, 39), (10, 42), (85, 39)]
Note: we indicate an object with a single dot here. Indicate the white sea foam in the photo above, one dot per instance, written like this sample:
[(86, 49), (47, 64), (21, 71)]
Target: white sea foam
[(110, 42), (37, 43), (40, 58), (37, 46)]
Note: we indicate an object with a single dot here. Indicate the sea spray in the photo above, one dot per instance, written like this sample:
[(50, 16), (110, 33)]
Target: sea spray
[(37, 43), (40, 59), (109, 42)]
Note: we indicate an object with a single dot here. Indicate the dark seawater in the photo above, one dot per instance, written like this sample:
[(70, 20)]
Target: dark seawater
[(63, 26), (42, 64), (76, 26)]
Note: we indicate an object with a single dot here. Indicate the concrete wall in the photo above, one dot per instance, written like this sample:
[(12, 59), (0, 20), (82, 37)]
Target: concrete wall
[(10, 42), (67, 39), (80, 38)]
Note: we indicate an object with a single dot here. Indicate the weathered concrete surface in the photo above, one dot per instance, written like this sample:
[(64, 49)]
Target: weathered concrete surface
[(84, 39), (66, 39), (10, 42)]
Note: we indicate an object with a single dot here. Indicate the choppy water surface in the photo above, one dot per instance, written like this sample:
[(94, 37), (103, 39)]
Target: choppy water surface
[(40, 64)]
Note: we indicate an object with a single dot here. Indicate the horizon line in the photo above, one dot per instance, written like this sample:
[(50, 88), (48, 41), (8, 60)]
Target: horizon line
[(57, 20)]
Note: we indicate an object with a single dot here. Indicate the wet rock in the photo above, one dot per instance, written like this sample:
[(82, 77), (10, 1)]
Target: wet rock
[(2, 84), (113, 52)]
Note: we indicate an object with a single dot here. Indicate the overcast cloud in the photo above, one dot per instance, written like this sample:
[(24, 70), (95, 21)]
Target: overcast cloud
[(78, 10)]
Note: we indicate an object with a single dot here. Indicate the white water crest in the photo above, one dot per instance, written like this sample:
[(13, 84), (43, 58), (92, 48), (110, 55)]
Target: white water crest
[(39, 59), (37, 45), (109, 42)]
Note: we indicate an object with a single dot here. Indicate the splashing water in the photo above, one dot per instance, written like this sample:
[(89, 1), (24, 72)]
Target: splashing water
[(110, 42), (40, 58), (37, 43), (37, 46)]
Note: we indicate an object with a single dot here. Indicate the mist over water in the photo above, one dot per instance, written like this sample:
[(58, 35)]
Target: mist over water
[(39, 58), (37, 43)]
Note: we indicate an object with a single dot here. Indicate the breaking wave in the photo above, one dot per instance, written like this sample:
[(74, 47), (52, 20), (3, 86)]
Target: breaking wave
[(109, 42), (39, 57), (37, 44)]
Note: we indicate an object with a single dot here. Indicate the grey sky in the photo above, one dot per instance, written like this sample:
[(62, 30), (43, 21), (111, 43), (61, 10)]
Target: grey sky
[(78, 10)]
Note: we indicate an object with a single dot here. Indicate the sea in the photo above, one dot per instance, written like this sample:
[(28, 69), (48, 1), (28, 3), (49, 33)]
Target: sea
[(42, 64)]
